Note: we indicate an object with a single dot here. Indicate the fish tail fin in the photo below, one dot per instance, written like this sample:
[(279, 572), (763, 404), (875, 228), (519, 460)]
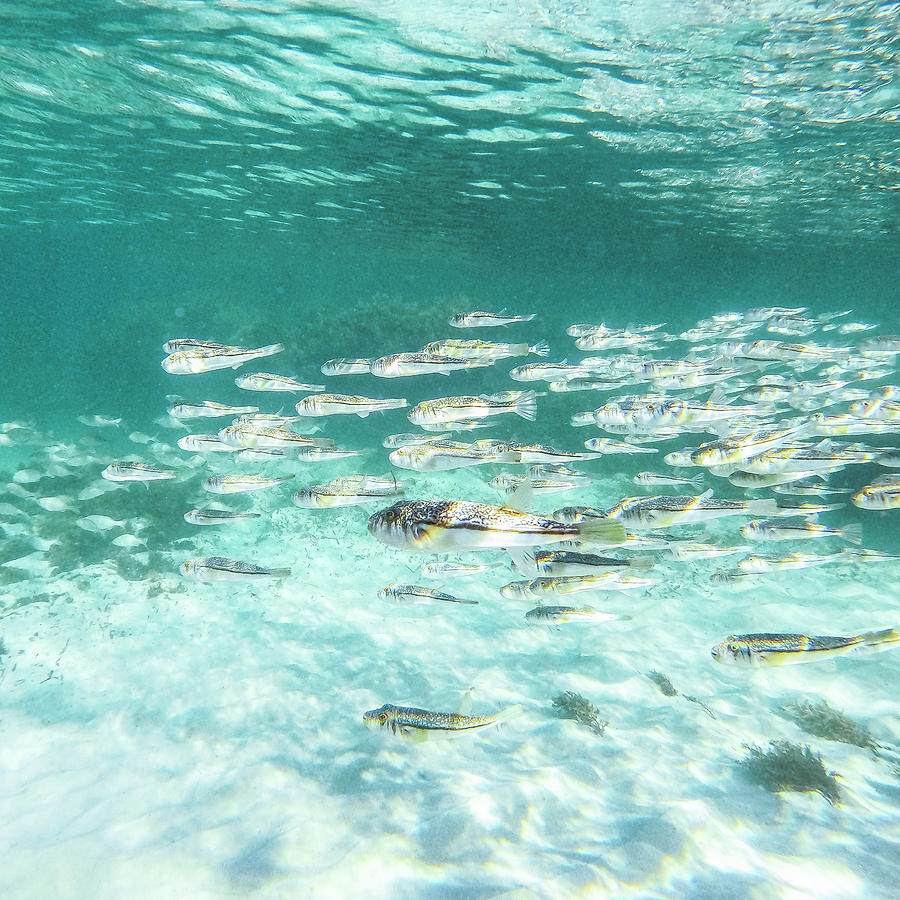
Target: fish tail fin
[(852, 533), (697, 481), (601, 531), (640, 562), (876, 641), (280, 573), (767, 507), (526, 406), (523, 560), (269, 349), (506, 715), (541, 348)]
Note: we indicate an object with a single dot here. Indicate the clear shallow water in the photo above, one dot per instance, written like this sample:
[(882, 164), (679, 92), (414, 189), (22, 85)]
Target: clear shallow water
[(343, 178)]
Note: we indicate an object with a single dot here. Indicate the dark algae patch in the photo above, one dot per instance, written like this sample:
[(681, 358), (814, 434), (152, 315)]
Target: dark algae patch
[(789, 767), (667, 689), (825, 721), (569, 705), (662, 682)]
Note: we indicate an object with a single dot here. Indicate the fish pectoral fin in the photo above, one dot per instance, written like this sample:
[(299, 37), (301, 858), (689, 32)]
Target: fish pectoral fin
[(464, 707), (520, 499)]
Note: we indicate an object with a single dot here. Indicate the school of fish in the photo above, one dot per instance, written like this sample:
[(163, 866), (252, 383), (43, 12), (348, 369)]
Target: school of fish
[(741, 406)]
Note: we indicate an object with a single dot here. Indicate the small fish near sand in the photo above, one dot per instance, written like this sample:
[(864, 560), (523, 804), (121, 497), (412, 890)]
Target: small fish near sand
[(410, 721), (560, 615), (210, 516), (222, 568), (790, 649)]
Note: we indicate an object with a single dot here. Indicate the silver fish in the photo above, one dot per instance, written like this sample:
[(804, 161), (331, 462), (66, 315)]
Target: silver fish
[(221, 568), (414, 593), (209, 516), (135, 471), (789, 649)]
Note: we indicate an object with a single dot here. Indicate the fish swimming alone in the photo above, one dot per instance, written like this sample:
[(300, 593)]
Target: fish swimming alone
[(790, 649), (194, 360), (411, 721), (480, 319)]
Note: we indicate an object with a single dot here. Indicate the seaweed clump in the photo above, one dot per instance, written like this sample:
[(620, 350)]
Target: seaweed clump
[(569, 705), (790, 767), (662, 682), (825, 721)]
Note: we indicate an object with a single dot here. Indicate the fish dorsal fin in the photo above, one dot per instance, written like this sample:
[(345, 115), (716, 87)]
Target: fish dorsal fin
[(718, 395), (706, 494), (464, 707), (520, 499)]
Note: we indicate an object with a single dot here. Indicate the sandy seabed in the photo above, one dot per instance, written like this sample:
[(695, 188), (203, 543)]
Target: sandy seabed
[(168, 738)]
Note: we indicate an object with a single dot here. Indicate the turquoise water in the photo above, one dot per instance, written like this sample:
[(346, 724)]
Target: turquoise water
[(343, 178)]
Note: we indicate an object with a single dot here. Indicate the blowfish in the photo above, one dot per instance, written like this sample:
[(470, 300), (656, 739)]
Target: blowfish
[(569, 562), (789, 649), (558, 615), (238, 484), (182, 409), (663, 511), (440, 456), (883, 493), (455, 409), (177, 345), (265, 436), (572, 584), (348, 490), (216, 516), (805, 530), (455, 570), (135, 471), (763, 564), (410, 721), (401, 365), (266, 381), (608, 445), (479, 319), (447, 526), (460, 349), (346, 404), (195, 360), (346, 366), (204, 443), (414, 593), (221, 568)]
